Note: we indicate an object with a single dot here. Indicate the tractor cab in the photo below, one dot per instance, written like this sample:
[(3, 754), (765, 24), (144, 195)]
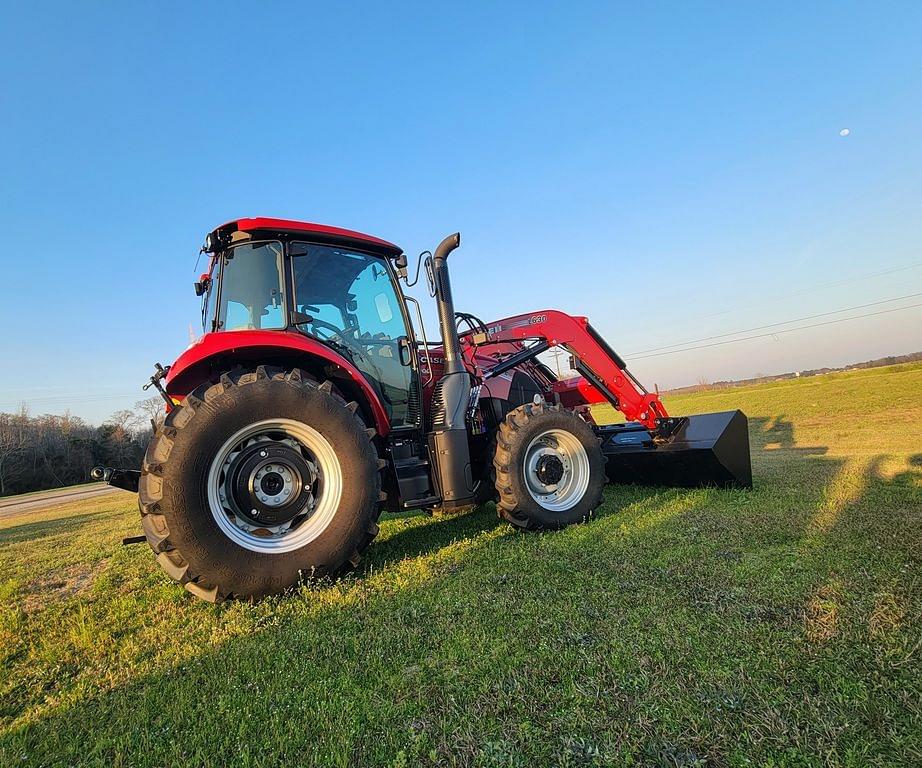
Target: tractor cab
[(335, 286)]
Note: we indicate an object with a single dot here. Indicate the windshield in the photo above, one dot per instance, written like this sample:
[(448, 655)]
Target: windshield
[(251, 295)]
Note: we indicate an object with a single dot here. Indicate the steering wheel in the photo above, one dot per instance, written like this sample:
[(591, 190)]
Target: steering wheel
[(336, 334), (349, 338)]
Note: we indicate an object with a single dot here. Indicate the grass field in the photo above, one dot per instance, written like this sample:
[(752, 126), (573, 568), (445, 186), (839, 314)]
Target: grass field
[(776, 627)]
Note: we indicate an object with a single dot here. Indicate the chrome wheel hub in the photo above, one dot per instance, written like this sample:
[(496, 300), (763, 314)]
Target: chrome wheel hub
[(274, 486), (556, 470)]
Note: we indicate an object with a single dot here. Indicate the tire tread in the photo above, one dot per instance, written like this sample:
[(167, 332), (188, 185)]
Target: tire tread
[(150, 488)]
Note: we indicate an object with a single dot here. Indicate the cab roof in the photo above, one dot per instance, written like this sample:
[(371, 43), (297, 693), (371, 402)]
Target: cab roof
[(315, 232)]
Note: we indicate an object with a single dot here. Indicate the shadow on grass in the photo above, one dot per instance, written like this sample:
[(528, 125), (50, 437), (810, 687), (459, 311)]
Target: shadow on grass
[(445, 659), (769, 434), (425, 536), (44, 528)]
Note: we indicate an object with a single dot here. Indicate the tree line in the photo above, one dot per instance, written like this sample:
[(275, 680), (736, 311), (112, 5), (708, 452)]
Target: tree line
[(40, 452)]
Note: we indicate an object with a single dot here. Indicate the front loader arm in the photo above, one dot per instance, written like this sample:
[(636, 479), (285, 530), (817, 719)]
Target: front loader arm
[(605, 377)]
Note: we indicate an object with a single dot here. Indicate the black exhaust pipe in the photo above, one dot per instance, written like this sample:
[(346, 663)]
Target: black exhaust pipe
[(448, 447)]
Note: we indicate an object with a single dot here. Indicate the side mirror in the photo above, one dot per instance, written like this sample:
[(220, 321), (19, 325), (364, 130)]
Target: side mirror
[(430, 275), (201, 285), (400, 264)]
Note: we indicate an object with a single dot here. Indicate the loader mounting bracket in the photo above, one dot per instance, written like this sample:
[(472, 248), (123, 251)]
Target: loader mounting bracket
[(666, 428)]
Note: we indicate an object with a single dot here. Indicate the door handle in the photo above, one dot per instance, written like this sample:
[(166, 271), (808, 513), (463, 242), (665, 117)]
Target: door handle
[(403, 347)]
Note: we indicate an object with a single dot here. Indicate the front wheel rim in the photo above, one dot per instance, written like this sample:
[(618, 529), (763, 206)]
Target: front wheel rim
[(556, 469), (286, 456)]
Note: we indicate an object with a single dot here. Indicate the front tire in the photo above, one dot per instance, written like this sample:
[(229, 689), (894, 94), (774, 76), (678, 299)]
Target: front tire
[(550, 471), (257, 482)]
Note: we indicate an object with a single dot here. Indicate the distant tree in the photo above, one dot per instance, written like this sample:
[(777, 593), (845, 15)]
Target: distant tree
[(38, 452), (152, 410), (14, 440), (126, 419)]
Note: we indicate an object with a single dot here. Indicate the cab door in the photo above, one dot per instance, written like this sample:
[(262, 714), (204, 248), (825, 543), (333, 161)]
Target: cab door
[(353, 304), (385, 340)]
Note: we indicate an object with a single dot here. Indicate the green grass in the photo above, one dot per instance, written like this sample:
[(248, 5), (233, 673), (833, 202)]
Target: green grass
[(774, 627)]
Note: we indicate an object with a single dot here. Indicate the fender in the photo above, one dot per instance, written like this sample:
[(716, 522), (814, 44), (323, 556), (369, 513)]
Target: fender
[(194, 365)]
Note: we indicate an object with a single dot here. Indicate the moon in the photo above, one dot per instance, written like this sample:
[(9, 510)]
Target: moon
[(844, 132)]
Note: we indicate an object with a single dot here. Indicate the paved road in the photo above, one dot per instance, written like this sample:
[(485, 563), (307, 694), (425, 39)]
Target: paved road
[(10, 506)]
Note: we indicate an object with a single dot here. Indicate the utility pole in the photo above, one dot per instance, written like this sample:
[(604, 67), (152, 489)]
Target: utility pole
[(557, 353)]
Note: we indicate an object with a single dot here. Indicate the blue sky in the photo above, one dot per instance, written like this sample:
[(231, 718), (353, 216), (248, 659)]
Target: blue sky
[(674, 171)]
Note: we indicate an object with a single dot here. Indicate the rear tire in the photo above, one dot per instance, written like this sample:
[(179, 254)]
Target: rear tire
[(224, 521), (550, 471)]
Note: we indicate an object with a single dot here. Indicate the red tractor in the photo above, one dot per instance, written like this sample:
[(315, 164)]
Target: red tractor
[(310, 405)]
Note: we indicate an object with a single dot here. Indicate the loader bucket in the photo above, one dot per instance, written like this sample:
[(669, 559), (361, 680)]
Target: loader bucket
[(709, 449)]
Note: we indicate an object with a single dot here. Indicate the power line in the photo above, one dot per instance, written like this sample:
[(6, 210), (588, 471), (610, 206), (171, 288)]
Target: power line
[(775, 325), (821, 287), (68, 399), (777, 333), (79, 398)]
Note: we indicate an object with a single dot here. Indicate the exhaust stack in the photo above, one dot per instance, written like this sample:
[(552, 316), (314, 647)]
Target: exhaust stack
[(448, 447)]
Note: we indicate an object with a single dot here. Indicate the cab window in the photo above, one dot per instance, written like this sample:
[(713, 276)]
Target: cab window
[(252, 294), (351, 303)]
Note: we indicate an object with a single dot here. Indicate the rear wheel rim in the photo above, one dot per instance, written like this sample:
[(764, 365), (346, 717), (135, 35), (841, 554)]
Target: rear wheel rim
[(291, 466), (553, 454)]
